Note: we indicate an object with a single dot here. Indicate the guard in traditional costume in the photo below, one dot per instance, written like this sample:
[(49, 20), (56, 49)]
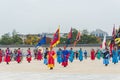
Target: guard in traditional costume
[(92, 54), (98, 54), (45, 56), (106, 57), (71, 57), (19, 56), (39, 54), (29, 56), (80, 54), (7, 56), (85, 54), (65, 56), (114, 56), (51, 58), (59, 55), (1, 55)]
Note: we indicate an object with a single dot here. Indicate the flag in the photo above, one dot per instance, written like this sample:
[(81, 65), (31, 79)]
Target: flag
[(119, 30), (77, 38), (70, 34), (42, 41), (118, 33), (114, 32), (103, 46), (69, 37), (112, 42), (56, 38)]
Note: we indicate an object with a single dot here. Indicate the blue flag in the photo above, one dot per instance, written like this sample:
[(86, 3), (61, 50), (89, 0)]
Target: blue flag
[(42, 41)]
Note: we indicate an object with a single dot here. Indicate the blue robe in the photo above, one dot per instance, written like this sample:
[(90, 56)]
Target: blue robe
[(45, 58), (106, 57), (80, 55), (114, 56), (45, 61), (59, 56), (65, 56), (119, 54), (71, 57)]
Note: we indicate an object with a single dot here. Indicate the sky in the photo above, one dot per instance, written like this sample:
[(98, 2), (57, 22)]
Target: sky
[(39, 16)]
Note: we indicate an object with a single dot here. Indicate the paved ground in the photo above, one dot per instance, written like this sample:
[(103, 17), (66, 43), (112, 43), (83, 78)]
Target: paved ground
[(55, 76), (36, 70)]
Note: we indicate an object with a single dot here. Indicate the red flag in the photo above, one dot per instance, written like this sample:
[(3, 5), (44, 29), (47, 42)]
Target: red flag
[(69, 37), (112, 42), (114, 32), (56, 38), (70, 34), (77, 38), (111, 48)]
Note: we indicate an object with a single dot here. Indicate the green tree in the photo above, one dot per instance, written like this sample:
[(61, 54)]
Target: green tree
[(74, 34), (85, 32), (6, 39), (89, 39), (63, 40), (15, 38)]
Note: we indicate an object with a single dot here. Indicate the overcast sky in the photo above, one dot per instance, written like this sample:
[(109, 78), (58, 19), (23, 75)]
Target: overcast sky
[(37, 16)]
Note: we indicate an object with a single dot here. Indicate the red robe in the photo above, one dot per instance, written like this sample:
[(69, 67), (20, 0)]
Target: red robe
[(39, 55), (92, 55), (0, 56), (29, 56), (51, 56), (18, 56), (7, 56)]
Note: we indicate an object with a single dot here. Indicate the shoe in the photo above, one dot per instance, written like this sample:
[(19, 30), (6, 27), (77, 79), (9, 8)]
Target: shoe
[(51, 68)]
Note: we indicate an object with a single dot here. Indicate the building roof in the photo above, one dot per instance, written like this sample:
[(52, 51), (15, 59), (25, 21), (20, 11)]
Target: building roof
[(98, 31)]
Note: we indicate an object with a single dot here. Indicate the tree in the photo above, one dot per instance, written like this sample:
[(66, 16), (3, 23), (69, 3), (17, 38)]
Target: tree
[(63, 40), (16, 40), (85, 32), (32, 40), (14, 32), (74, 34), (6, 39), (89, 39)]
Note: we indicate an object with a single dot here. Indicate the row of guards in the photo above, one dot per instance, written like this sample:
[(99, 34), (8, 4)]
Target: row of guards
[(49, 56), (17, 55), (63, 56)]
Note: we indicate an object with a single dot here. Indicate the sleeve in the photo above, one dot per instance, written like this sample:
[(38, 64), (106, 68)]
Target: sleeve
[(54, 56)]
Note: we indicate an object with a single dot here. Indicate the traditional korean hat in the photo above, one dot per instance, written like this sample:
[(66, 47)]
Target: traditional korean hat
[(41, 48)]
